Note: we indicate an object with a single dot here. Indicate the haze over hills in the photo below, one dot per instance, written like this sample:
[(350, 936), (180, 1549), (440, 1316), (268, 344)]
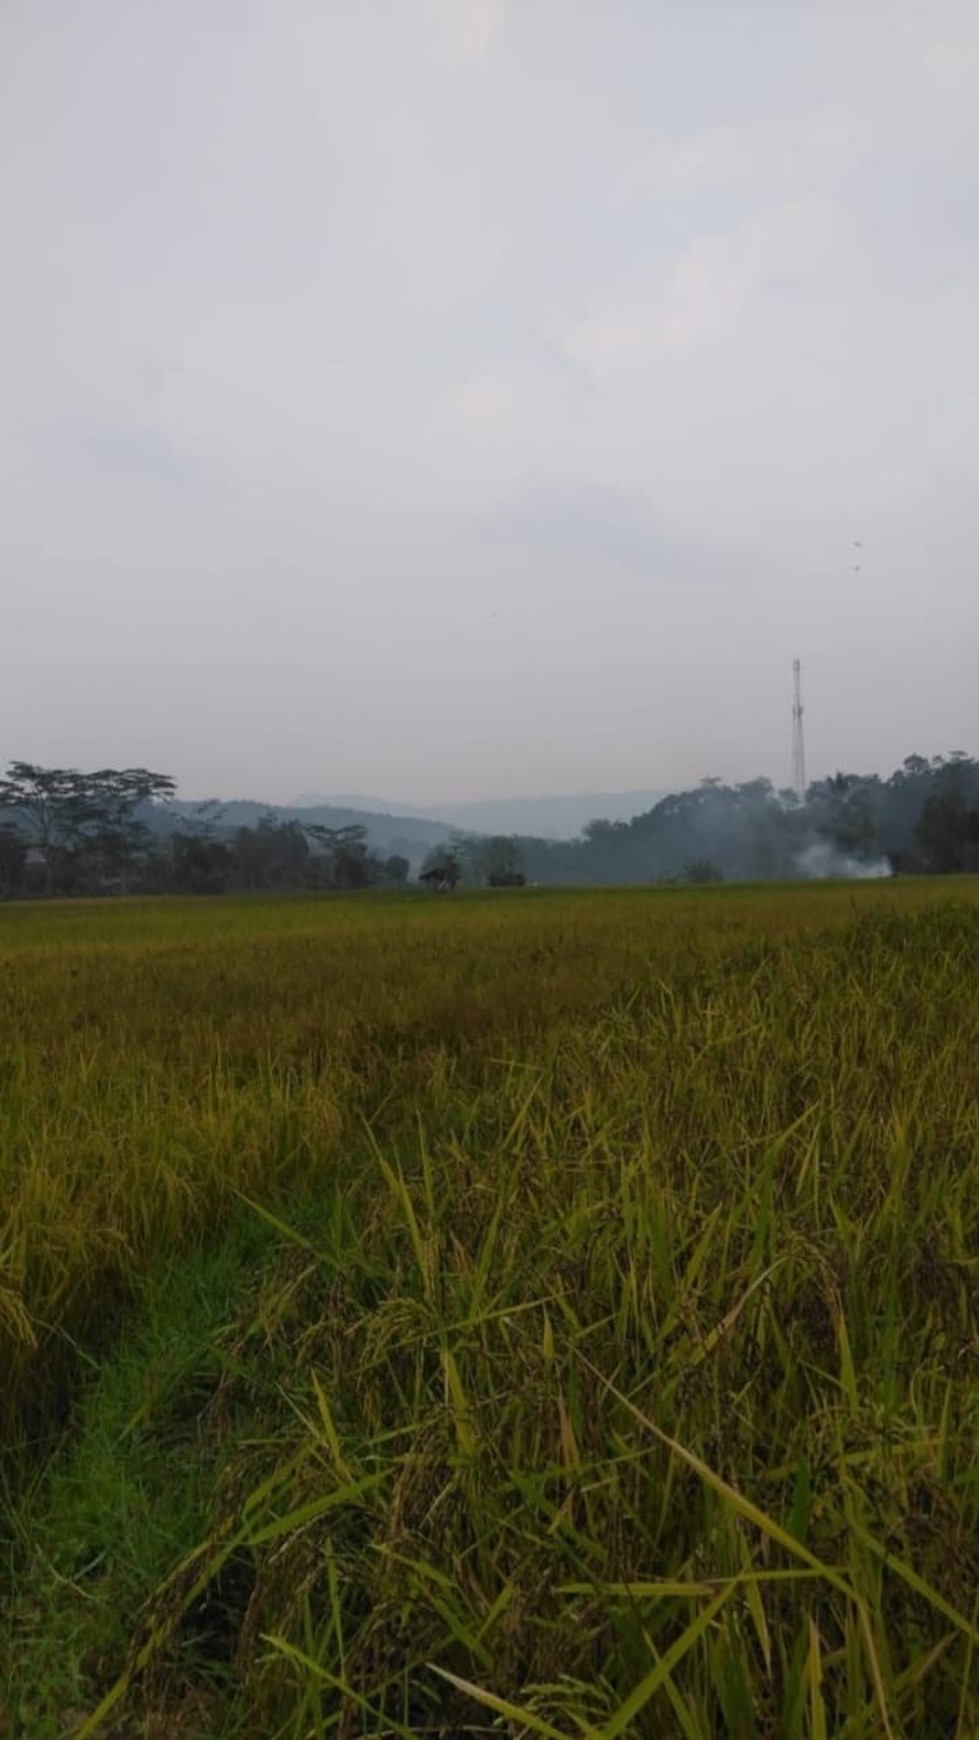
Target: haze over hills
[(559, 817), (412, 831), (410, 835)]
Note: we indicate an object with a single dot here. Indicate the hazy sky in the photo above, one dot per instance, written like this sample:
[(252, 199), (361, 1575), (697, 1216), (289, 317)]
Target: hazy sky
[(461, 398)]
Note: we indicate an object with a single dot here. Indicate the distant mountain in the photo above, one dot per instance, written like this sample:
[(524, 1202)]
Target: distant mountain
[(548, 818), (372, 806), (411, 836), (412, 832)]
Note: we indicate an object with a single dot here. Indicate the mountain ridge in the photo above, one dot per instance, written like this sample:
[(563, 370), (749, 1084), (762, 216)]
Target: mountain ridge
[(554, 816)]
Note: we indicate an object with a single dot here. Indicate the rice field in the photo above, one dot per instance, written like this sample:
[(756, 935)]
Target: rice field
[(529, 1313)]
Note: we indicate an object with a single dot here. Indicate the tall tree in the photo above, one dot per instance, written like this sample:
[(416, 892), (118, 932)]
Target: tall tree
[(948, 829), (82, 819), (37, 799), (105, 810), (13, 856), (344, 859)]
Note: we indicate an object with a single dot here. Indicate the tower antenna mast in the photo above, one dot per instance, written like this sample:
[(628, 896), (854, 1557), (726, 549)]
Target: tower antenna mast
[(798, 740)]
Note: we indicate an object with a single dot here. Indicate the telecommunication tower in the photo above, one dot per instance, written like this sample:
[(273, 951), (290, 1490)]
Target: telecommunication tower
[(798, 740)]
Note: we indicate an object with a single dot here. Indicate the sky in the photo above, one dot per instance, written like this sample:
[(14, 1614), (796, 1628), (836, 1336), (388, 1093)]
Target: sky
[(453, 399)]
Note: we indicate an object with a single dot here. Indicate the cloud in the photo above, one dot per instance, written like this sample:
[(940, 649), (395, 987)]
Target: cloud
[(446, 242), (121, 452), (465, 29), (947, 57), (533, 301), (707, 288), (591, 522), (488, 397), (709, 159)]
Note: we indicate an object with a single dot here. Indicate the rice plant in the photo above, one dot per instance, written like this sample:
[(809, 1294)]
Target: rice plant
[(584, 1340)]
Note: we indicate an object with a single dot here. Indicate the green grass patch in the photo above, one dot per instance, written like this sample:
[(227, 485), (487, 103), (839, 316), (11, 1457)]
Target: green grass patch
[(130, 1489)]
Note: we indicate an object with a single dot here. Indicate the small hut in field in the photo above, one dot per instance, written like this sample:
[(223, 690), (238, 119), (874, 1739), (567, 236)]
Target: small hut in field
[(441, 877)]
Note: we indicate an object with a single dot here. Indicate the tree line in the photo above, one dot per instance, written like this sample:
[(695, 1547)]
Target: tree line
[(923, 820), (120, 830)]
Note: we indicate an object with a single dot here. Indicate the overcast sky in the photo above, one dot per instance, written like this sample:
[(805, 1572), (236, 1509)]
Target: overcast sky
[(464, 398)]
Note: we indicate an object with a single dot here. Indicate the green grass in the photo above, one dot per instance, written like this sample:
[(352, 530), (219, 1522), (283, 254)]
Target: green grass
[(538, 1313), (132, 1492)]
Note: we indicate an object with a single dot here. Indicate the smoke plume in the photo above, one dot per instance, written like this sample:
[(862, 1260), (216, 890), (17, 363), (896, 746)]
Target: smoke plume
[(822, 861)]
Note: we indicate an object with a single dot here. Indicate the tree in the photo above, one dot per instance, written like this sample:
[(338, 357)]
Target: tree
[(701, 871), (38, 797), (843, 811), (441, 870), (396, 870), (496, 859), (503, 867), (199, 864), (271, 855), (344, 860), (87, 822), (13, 860), (196, 862), (948, 829), (102, 812)]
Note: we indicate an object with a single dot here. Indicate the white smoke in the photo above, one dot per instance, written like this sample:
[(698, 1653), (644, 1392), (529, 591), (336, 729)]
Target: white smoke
[(822, 861)]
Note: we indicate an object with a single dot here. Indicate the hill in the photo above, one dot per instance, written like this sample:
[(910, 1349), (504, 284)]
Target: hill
[(411, 836), (554, 817)]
